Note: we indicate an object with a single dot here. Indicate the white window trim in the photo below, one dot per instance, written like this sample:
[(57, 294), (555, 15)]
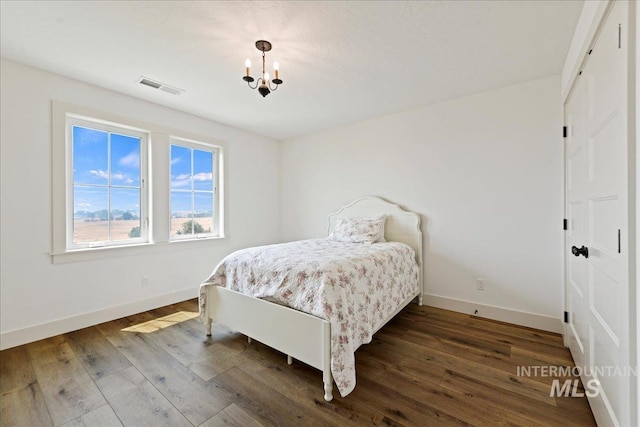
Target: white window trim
[(89, 122), (216, 212), (158, 195)]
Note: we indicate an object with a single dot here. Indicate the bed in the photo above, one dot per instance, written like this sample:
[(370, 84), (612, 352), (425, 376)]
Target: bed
[(279, 294)]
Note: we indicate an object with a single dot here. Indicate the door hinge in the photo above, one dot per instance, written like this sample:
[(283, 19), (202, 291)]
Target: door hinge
[(619, 248), (566, 317), (619, 36), (565, 224), (564, 131), (590, 50)]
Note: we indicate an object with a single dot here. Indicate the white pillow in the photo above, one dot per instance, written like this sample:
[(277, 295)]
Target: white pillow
[(359, 230)]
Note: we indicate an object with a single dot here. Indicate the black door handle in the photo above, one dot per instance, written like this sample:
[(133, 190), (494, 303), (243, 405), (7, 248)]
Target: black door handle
[(580, 251)]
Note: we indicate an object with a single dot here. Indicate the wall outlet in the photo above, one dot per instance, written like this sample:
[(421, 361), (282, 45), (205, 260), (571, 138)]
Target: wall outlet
[(480, 284), (146, 281)]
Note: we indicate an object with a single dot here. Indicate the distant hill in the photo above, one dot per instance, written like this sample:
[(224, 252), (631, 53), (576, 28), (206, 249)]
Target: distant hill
[(103, 214)]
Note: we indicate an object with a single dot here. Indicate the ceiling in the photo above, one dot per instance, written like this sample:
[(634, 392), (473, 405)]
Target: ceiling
[(341, 62)]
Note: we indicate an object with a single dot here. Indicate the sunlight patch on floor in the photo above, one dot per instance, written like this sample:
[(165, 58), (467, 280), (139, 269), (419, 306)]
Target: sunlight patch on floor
[(162, 322)]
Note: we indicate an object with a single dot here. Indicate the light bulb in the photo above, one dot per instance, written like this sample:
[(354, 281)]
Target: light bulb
[(266, 76), (276, 66), (247, 63)]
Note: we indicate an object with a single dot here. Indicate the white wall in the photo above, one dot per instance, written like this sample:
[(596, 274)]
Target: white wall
[(484, 171), (38, 298)]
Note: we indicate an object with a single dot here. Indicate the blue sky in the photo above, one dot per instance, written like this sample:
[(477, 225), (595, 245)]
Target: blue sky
[(91, 166), (191, 169), (182, 176)]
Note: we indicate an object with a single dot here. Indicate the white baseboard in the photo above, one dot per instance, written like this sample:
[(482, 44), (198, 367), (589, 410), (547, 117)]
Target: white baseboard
[(50, 329), (522, 318)]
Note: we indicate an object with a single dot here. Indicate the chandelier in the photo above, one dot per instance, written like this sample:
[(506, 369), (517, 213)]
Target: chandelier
[(263, 84)]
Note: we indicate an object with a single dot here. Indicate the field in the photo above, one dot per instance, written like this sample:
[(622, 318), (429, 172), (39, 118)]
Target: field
[(95, 231)]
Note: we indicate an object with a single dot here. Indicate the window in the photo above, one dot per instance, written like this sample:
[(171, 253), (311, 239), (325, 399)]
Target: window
[(194, 190), (106, 191), (123, 187)]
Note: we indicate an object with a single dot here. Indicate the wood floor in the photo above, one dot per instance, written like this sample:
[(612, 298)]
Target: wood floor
[(426, 367)]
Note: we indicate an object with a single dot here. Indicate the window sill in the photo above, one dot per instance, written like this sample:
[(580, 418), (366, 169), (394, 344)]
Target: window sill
[(92, 254)]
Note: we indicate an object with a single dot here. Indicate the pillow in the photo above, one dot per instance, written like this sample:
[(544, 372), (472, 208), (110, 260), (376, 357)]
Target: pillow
[(359, 230)]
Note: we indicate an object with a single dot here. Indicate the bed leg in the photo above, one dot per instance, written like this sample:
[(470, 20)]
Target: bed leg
[(420, 299), (328, 390), (208, 325), (289, 360), (249, 340)]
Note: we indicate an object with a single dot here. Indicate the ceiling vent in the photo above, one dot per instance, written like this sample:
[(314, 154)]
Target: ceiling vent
[(159, 85)]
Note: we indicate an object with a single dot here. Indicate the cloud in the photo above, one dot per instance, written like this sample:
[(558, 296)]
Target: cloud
[(184, 180), (202, 176), (114, 176), (180, 181), (82, 205), (99, 173), (132, 160), (121, 177), (175, 160)]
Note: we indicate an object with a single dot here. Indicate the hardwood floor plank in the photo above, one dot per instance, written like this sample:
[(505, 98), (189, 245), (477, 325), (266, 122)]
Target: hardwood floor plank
[(24, 407), (102, 417), (398, 408), (475, 331), (98, 356), (232, 416), (137, 402), (15, 369), (204, 356), (379, 360), (466, 362), (67, 388), (468, 321), (196, 399), (267, 403), (298, 382), (455, 405), (536, 413)]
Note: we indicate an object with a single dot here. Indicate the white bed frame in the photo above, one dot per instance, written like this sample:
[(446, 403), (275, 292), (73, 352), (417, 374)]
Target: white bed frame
[(297, 334)]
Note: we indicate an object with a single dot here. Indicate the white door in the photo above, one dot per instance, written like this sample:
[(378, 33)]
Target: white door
[(597, 255)]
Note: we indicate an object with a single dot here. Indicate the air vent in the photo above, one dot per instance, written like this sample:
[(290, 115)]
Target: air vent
[(159, 85)]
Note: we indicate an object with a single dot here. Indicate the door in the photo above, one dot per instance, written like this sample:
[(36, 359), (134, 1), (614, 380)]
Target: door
[(597, 255)]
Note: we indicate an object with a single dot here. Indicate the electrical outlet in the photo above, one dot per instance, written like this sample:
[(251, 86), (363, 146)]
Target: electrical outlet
[(480, 284), (146, 281)]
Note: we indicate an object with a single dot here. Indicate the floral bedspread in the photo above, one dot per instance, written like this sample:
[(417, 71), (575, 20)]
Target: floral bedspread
[(354, 286)]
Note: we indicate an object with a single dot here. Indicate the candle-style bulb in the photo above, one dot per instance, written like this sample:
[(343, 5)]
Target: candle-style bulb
[(276, 68), (266, 76), (247, 63)]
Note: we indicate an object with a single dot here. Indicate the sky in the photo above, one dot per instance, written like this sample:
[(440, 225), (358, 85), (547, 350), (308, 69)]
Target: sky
[(183, 159), (191, 169), (91, 153)]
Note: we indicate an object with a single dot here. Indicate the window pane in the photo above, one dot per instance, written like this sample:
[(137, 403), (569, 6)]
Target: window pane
[(125, 160), (125, 213), (202, 170), (180, 167), (90, 218), (90, 165), (181, 213), (203, 208)]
